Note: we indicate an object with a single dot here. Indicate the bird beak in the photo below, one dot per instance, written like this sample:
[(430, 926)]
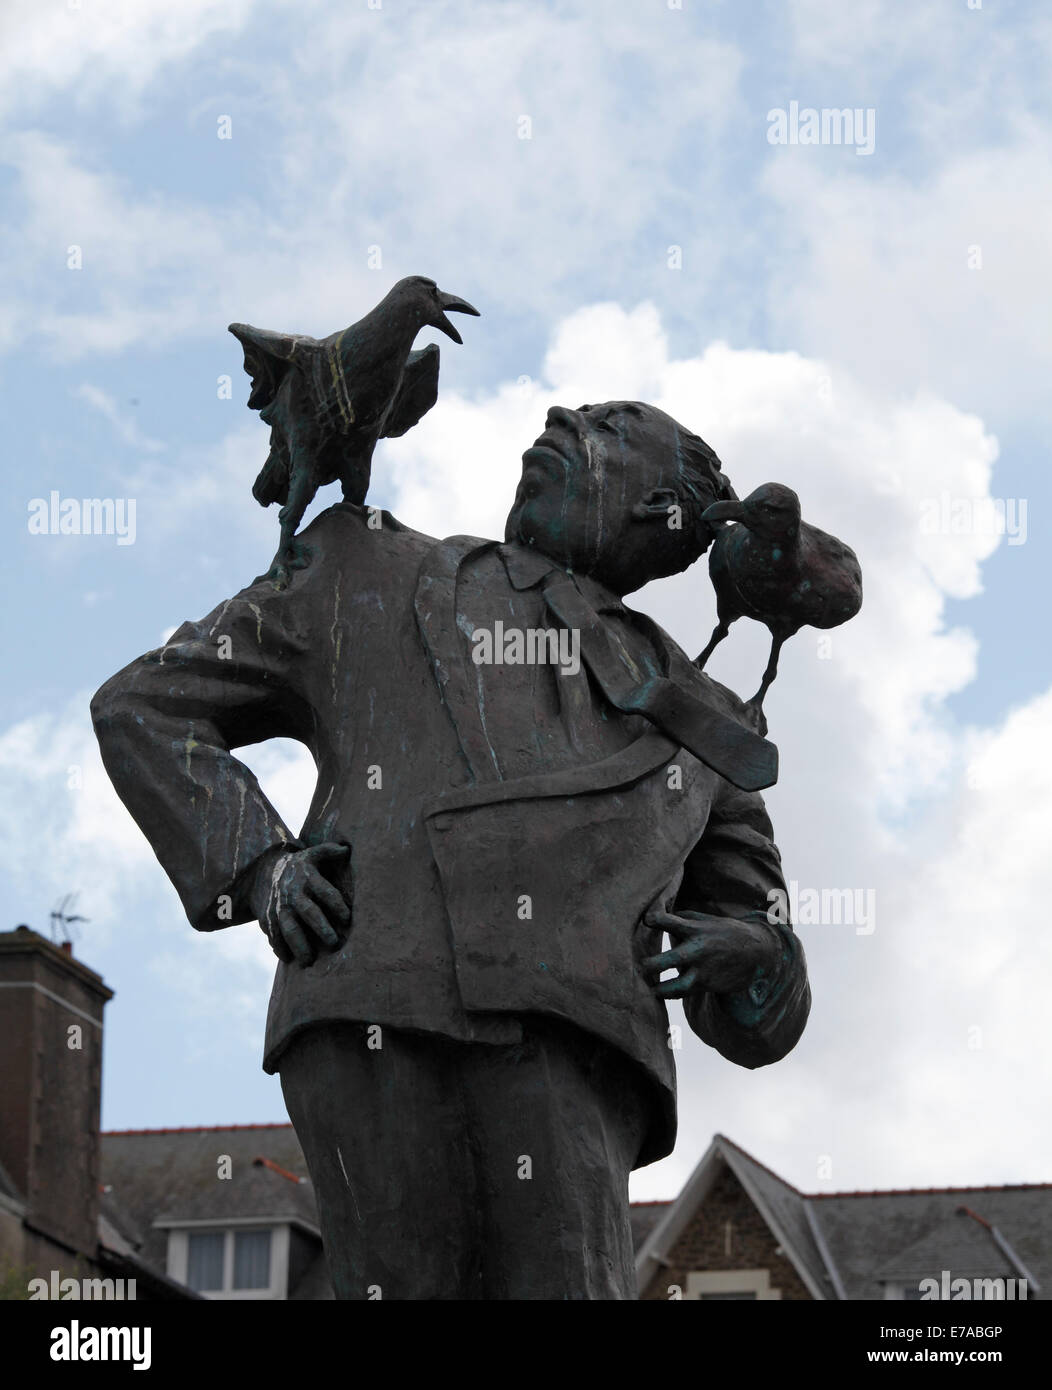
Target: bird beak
[(724, 511), (455, 306)]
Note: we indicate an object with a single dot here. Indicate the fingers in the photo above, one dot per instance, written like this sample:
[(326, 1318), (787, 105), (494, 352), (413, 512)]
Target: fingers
[(295, 937), (675, 959), (694, 924), (277, 945), (330, 898), (675, 926), (713, 954), (331, 849), (318, 886), (702, 961), (682, 984), (304, 906), (311, 915)]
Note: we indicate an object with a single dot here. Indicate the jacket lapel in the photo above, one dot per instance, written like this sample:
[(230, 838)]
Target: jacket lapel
[(437, 618)]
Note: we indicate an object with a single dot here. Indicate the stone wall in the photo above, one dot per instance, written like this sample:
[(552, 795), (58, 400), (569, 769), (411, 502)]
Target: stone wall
[(705, 1245)]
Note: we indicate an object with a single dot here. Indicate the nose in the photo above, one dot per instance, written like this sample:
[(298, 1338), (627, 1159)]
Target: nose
[(559, 415)]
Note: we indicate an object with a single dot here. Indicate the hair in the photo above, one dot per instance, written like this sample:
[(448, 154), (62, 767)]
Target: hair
[(702, 482)]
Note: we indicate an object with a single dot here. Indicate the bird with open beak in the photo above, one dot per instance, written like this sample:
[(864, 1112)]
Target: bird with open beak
[(328, 401)]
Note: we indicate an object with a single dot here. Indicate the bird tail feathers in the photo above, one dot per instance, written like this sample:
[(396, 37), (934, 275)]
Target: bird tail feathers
[(272, 485)]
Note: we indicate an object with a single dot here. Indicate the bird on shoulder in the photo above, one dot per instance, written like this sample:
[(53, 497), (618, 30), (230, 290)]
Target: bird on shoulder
[(328, 401), (772, 566)]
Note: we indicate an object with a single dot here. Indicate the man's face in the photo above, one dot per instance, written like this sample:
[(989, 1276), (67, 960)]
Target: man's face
[(584, 480)]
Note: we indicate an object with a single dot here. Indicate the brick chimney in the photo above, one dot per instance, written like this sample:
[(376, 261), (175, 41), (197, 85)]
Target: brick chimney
[(50, 1085)]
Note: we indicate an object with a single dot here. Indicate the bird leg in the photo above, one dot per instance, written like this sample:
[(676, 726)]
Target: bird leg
[(719, 632), (756, 703), (291, 554), (354, 475)]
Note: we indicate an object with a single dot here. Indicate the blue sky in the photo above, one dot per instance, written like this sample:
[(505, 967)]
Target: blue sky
[(825, 328)]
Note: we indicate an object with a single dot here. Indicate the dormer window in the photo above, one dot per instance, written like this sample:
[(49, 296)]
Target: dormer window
[(228, 1261), (238, 1261)]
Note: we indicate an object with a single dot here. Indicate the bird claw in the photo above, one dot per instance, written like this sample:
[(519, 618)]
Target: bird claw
[(294, 556), (754, 712)]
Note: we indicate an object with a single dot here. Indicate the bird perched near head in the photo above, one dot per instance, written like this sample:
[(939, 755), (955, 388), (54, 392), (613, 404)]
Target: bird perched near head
[(328, 401), (774, 567)]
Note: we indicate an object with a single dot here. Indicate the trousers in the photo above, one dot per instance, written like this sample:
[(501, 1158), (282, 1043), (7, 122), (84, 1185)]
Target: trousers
[(465, 1170)]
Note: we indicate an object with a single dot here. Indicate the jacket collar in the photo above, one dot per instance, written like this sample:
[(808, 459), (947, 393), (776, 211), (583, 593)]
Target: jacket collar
[(436, 611), (527, 568)]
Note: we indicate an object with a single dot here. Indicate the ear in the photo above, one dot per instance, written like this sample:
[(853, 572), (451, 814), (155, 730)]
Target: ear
[(656, 504)]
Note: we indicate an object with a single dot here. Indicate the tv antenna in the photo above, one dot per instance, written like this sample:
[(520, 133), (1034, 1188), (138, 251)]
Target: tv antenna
[(62, 919)]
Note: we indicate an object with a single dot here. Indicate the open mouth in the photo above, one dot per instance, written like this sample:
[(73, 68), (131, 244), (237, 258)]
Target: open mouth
[(551, 441), (545, 458)]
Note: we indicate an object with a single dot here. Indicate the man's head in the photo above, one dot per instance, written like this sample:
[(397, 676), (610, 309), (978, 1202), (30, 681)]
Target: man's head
[(617, 491)]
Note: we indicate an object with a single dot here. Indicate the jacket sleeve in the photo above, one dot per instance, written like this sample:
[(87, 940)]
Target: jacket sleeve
[(166, 725), (735, 871)]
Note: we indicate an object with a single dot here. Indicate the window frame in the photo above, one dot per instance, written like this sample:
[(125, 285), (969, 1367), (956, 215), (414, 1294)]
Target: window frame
[(179, 1256), (748, 1281)]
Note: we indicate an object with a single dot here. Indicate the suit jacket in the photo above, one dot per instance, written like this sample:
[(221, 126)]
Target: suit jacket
[(484, 886)]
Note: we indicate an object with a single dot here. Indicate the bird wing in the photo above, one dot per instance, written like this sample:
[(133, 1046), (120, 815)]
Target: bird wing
[(267, 356), (416, 394), (272, 484)]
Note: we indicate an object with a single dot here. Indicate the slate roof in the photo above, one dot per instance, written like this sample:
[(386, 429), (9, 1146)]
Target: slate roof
[(156, 1178), (847, 1245), (889, 1235), (643, 1217), (958, 1243)]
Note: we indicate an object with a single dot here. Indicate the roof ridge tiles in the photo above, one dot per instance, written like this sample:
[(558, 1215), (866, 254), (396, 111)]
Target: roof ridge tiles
[(777, 1176), (885, 1191), (196, 1129), (926, 1191)]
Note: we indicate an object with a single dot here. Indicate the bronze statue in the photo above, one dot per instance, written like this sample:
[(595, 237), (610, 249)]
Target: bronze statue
[(468, 1017)]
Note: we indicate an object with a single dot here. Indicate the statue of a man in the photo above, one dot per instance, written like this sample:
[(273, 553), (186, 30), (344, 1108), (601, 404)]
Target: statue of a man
[(468, 1015)]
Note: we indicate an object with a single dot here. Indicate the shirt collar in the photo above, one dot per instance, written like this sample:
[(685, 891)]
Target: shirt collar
[(527, 567)]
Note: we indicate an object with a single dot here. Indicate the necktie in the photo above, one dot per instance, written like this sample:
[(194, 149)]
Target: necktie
[(736, 753)]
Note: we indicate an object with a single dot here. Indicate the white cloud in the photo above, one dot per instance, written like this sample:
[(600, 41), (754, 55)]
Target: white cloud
[(63, 826), (431, 131), (932, 283), (102, 50), (129, 246)]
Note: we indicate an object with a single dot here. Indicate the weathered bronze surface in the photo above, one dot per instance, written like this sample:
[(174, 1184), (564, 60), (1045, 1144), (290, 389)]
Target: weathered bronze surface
[(523, 785)]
